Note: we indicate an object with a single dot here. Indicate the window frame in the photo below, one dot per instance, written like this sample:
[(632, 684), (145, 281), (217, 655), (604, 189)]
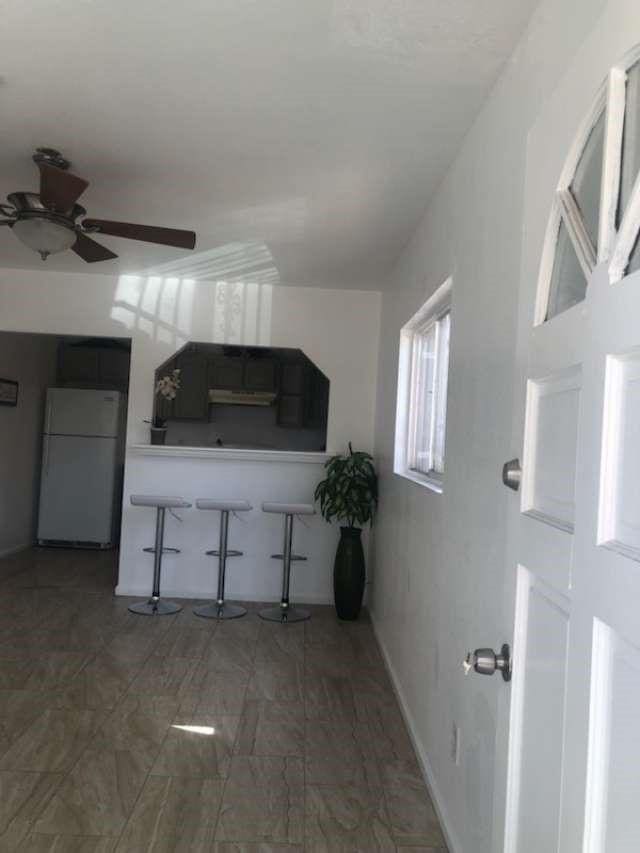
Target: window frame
[(411, 390)]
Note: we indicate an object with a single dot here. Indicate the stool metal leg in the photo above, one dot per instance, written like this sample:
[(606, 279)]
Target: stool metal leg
[(283, 612), (155, 605), (220, 609)]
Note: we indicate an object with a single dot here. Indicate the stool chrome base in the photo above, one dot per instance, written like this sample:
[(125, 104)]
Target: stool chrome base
[(220, 611), (284, 614), (155, 607)]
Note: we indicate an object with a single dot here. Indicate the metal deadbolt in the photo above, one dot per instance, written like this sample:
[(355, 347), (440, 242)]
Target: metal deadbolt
[(486, 662), (512, 474)]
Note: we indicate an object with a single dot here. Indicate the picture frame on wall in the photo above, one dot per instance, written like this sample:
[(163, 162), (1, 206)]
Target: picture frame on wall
[(8, 392)]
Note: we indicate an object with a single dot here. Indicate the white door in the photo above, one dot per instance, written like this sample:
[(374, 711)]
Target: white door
[(72, 411), (77, 489), (573, 779)]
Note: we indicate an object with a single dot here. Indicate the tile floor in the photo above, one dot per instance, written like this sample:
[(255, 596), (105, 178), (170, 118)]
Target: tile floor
[(128, 733)]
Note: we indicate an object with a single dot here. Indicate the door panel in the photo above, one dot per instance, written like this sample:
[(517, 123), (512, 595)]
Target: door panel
[(539, 685), (613, 788), (619, 518), (550, 448)]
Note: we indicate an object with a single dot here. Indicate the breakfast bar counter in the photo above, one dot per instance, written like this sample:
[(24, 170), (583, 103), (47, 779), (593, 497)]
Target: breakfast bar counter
[(255, 475)]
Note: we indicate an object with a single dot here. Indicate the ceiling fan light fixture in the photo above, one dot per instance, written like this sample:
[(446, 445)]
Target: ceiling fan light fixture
[(43, 235)]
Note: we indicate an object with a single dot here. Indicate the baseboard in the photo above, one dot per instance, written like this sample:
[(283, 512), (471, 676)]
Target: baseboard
[(427, 771), (7, 552), (230, 595)]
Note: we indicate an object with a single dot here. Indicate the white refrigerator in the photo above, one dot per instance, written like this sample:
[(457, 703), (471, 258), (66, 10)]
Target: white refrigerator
[(81, 453)]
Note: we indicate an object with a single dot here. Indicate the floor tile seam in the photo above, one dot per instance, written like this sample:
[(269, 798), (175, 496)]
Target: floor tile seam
[(31, 822), (139, 795)]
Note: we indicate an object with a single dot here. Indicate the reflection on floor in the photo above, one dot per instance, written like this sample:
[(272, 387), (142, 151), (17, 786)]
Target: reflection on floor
[(127, 733)]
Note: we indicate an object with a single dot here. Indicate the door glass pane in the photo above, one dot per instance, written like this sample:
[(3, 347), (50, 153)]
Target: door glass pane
[(586, 181), (568, 283), (630, 140)]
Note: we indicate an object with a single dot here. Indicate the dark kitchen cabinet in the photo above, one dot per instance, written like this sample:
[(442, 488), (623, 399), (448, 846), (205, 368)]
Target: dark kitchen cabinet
[(191, 401), (226, 372), (78, 364), (292, 377), (290, 410), (260, 374), (316, 400), (93, 366), (114, 367)]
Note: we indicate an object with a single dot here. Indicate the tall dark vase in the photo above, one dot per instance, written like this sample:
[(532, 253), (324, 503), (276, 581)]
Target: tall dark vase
[(349, 573)]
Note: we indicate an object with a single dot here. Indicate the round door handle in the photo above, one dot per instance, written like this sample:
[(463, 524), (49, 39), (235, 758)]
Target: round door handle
[(486, 662), (512, 474)]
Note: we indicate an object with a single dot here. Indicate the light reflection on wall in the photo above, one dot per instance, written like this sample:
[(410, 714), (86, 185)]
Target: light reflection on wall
[(223, 295), (242, 313), (160, 308)]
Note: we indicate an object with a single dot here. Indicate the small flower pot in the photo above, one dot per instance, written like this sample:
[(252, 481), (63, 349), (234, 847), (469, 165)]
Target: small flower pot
[(158, 435)]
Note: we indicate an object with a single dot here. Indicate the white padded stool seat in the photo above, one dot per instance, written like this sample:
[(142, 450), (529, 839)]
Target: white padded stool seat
[(162, 501), (288, 509), (223, 506)]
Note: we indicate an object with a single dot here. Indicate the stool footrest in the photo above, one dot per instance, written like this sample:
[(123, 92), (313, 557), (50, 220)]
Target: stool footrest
[(230, 553), (164, 550), (294, 557)]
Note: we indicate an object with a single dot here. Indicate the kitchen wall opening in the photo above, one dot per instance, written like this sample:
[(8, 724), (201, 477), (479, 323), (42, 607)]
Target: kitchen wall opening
[(256, 398), (63, 409)]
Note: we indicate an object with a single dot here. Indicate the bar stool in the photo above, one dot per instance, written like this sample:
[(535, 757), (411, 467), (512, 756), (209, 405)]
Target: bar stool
[(283, 612), (155, 605), (219, 609)]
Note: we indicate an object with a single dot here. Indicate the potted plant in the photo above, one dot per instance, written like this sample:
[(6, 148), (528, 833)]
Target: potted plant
[(349, 493), (167, 388)]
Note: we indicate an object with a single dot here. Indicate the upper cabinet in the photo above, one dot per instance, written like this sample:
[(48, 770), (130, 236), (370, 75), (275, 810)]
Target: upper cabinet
[(91, 365), (226, 372), (242, 371), (191, 402), (259, 374)]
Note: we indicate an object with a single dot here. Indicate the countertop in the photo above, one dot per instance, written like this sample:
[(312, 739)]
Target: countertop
[(227, 454)]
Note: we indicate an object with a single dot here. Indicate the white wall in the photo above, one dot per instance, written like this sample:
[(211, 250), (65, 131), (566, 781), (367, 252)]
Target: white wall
[(31, 361), (443, 573), (337, 329)]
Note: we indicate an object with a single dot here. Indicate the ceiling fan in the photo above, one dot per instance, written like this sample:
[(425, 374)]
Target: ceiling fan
[(47, 221)]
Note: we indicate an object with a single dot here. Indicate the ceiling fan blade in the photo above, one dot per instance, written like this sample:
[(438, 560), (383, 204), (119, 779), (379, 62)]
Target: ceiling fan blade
[(147, 233), (90, 251), (59, 190)]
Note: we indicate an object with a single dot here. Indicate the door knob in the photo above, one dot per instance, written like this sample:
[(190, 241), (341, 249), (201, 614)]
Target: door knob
[(512, 474), (486, 662)]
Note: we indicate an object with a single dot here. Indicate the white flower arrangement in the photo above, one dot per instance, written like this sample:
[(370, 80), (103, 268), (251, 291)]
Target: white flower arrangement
[(169, 385)]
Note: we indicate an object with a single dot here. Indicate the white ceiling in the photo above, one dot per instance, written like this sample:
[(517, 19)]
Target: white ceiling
[(300, 139)]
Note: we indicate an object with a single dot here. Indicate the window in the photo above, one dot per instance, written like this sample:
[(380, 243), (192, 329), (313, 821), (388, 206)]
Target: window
[(422, 391), (595, 217)]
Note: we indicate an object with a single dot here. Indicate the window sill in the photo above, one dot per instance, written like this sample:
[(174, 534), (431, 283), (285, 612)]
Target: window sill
[(434, 484)]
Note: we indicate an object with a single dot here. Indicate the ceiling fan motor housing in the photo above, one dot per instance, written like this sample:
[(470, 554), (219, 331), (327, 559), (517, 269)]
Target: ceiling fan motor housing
[(52, 157)]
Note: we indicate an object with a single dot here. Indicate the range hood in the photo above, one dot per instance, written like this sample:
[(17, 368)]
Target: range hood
[(242, 398)]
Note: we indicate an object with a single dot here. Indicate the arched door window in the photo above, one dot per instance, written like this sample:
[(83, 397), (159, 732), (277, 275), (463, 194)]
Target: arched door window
[(595, 217)]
